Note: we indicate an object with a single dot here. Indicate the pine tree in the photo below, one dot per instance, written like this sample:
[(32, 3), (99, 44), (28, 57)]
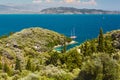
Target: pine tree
[(101, 41), (18, 65)]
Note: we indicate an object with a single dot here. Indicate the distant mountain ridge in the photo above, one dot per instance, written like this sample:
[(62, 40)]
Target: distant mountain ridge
[(8, 9), (71, 10)]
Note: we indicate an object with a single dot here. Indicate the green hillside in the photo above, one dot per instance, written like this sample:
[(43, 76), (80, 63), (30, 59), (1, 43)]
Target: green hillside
[(29, 55), (31, 41)]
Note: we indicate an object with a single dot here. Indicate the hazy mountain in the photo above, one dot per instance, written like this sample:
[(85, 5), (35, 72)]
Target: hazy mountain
[(8, 9), (71, 10)]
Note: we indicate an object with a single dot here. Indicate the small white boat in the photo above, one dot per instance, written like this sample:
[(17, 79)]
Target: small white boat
[(73, 34), (73, 37)]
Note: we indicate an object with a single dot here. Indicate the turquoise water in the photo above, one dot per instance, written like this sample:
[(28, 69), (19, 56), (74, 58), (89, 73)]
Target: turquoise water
[(67, 47), (86, 26)]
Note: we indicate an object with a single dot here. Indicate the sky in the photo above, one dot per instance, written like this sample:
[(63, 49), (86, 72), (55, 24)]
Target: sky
[(40, 4)]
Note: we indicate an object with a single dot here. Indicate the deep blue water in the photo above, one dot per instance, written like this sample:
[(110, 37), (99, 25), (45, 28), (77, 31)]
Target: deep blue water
[(86, 26)]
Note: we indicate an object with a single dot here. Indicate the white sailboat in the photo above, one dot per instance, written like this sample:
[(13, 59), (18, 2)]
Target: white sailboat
[(73, 34)]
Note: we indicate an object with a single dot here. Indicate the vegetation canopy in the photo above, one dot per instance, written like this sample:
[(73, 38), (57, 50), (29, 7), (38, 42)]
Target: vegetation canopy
[(30, 55)]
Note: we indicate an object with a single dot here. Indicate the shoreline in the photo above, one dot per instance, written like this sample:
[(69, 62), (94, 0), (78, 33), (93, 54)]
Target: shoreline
[(72, 42)]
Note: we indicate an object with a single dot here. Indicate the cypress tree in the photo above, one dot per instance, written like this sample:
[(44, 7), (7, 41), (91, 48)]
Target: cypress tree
[(28, 66), (7, 69), (101, 41), (33, 67), (0, 63), (86, 49), (18, 64), (108, 45), (64, 46), (92, 46)]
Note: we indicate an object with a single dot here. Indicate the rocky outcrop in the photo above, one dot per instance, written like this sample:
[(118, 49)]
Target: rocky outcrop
[(115, 35), (116, 39)]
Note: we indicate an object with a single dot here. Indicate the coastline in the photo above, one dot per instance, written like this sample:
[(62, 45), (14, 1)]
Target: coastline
[(72, 42)]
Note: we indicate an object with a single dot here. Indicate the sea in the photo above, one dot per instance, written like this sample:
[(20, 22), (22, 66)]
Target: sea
[(85, 27)]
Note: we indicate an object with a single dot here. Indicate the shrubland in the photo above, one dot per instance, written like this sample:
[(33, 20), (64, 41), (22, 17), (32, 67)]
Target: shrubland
[(30, 55)]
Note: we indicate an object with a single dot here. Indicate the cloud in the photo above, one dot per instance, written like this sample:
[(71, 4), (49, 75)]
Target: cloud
[(37, 1), (48, 1), (83, 2), (90, 2), (69, 1), (40, 1)]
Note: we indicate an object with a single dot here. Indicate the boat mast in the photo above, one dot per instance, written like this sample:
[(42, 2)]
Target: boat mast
[(73, 34), (73, 31)]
